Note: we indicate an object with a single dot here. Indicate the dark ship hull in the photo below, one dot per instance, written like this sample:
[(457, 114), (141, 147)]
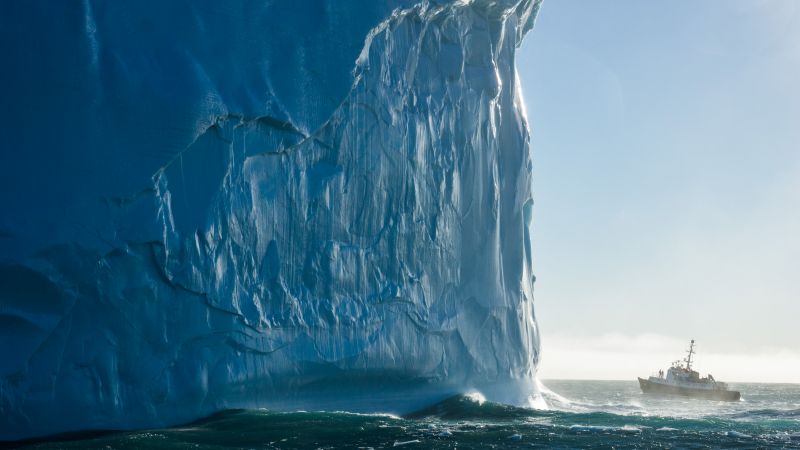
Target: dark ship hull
[(649, 387)]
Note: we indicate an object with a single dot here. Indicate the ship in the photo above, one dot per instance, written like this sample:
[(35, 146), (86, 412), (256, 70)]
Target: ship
[(682, 380)]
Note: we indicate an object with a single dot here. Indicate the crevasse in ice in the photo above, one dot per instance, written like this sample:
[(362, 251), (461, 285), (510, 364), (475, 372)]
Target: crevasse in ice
[(314, 204)]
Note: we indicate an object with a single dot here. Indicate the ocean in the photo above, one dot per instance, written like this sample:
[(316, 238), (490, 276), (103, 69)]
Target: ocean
[(570, 414)]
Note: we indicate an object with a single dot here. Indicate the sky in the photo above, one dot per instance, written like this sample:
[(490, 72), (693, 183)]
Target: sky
[(666, 149)]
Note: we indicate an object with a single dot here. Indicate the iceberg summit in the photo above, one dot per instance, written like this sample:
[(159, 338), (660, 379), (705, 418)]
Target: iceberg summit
[(315, 204)]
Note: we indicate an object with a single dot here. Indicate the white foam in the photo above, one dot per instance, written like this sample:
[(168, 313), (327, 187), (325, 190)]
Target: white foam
[(476, 397), (398, 443), (737, 434)]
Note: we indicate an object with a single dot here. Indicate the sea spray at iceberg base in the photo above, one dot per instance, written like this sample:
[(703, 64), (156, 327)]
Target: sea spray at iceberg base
[(595, 414), (268, 205)]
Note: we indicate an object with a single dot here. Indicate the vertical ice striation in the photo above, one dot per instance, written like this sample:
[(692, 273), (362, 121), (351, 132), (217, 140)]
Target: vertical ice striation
[(260, 204)]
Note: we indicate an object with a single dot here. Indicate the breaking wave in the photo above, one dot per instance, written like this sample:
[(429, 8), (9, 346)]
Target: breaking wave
[(470, 421)]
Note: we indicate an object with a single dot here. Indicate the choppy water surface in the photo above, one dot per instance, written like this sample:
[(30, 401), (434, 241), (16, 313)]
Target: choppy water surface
[(580, 414)]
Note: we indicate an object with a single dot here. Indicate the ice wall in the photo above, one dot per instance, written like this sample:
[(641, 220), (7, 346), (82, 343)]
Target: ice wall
[(310, 204)]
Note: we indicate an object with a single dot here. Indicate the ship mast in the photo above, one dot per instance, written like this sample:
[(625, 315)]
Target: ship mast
[(689, 358)]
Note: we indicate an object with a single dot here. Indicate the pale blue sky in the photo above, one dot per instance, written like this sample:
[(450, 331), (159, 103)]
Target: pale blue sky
[(666, 145)]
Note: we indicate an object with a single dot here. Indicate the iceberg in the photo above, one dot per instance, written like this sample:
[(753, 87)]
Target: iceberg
[(285, 205)]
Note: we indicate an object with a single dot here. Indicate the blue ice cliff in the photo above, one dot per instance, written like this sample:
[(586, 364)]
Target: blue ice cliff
[(284, 204)]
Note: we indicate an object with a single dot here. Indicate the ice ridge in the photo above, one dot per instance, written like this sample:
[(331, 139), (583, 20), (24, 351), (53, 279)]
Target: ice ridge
[(317, 205)]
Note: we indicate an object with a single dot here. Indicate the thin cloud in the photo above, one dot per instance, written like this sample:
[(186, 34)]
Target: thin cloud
[(617, 356)]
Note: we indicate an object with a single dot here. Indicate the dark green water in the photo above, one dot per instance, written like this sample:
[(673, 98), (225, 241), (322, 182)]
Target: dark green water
[(581, 414)]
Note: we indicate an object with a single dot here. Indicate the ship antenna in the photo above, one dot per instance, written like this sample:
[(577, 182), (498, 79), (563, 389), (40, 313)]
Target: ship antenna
[(689, 359)]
